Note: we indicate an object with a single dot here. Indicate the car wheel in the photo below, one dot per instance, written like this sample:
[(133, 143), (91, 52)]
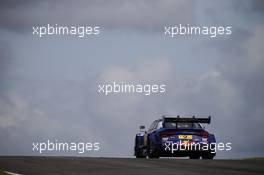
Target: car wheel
[(208, 156), (153, 152), (139, 153), (194, 156), (140, 157)]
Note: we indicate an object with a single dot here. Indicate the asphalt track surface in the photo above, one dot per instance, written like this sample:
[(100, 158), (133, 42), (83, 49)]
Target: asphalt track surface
[(124, 166)]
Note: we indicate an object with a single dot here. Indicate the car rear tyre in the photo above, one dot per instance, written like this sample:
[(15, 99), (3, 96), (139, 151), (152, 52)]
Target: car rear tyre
[(140, 157), (208, 156), (153, 153), (195, 156)]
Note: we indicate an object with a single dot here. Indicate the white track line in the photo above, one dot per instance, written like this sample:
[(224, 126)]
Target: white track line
[(11, 173)]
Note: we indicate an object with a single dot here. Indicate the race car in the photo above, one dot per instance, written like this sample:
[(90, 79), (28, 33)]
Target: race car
[(175, 137)]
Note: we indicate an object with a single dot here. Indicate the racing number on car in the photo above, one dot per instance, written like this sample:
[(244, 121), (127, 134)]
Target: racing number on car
[(185, 136)]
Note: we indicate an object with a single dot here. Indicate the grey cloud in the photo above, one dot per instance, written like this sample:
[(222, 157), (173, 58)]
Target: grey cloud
[(122, 113), (4, 58), (245, 74), (140, 15), (61, 95)]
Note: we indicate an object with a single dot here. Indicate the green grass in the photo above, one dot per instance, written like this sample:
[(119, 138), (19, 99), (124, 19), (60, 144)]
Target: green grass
[(255, 158), (2, 173)]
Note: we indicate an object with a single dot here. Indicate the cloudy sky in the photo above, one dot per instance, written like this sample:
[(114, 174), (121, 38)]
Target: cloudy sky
[(48, 86)]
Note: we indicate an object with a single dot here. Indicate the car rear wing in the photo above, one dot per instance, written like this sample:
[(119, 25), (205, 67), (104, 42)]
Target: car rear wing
[(193, 119)]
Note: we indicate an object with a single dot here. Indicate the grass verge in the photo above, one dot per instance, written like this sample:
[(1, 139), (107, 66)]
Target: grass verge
[(2, 173), (255, 158)]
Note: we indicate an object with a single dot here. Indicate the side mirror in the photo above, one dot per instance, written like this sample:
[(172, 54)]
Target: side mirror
[(142, 128)]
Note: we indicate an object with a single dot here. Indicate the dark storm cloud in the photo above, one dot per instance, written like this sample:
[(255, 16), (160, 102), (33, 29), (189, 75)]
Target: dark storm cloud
[(140, 15)]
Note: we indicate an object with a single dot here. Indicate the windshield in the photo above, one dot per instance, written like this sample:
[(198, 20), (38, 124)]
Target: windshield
[(182, 125)]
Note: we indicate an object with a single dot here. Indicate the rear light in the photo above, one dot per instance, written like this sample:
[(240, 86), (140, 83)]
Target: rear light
[(166, 134), (204, 134)]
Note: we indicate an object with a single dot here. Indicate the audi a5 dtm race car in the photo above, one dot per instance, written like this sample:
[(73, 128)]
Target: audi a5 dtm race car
[(175, 137)]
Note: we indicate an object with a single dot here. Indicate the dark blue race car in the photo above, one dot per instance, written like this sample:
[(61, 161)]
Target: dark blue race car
[(175, 137)]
